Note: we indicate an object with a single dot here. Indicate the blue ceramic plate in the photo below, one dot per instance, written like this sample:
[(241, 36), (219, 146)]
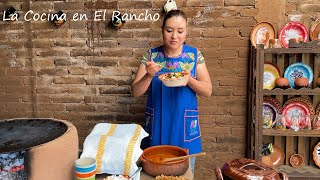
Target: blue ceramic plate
[(298, 70)]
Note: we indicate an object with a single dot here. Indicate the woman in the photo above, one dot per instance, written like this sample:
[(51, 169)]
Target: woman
[(172, 112)]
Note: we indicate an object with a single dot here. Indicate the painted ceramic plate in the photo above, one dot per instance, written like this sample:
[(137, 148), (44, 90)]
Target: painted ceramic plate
[(317, 111), (298, 70), (315, 30), (293, 30), (308, 102), (316, 154), (261, 34), (271, 105), (270, 74)]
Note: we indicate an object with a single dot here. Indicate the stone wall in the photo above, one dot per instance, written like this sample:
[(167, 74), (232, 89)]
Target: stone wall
[(82, 71)]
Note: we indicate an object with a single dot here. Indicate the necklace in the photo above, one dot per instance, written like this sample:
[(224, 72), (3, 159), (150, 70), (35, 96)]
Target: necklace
[(172, 56)]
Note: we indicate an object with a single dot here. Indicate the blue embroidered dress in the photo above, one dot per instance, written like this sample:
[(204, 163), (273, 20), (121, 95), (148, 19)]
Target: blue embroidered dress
[(172, 112)]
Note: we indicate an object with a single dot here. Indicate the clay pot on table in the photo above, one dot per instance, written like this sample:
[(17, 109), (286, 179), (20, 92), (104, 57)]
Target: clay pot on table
[(152, 160)]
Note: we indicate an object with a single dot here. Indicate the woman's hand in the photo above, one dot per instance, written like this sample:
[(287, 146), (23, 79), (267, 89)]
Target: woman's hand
[(152, 68)]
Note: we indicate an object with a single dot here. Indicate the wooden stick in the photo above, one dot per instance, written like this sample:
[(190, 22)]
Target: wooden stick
[(183, 157)]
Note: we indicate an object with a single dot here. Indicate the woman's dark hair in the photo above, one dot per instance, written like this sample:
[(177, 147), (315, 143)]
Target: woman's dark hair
[(173, 13)]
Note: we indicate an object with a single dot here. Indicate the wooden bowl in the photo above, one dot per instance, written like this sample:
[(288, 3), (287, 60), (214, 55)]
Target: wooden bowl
[(296, 160), (301, 82)]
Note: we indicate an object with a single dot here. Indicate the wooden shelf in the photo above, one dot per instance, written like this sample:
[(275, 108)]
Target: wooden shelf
[(290, 51), (291, 91), (290, 132), (303, 171)]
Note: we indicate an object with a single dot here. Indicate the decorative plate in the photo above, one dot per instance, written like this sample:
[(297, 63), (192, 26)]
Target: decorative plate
[(270, 104), (261, 33), (298, 109), (297, 70), (315, 30), (317, 110), (270, 74), (293, 30), (304, 107), (316, 154)]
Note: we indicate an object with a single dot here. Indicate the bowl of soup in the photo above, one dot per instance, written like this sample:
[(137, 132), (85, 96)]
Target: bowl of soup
[(152, 160)]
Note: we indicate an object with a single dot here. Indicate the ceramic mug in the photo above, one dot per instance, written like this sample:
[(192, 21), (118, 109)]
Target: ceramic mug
[(170, 5), (85, 169)]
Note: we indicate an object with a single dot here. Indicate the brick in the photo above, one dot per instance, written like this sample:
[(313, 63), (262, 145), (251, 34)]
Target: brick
[(245, 32), (205, 23), (112, 109), (106, 5), (100, 99), (52, 72), (58, 33), (239, 2), (10, 98), (249, 12), (81, 71), (223, 53), (203, 43), (67, 99), (208, 4), (38, 98), (148, 33), (135, 5), (68, 80), (116, 71), (51, 107), (235, 43), (42, 43), (239, 22), (70, 43), (96, 117), (218, 131), (18, 72), (123, 33), (67, 61), (5, 80), (115, 90), (40, 64), (102, 63), (227, 81), (78, 24), (220, 32), (80, 108), (118, 52), (68, 5), (136, 43), (309, 8), (101, 81), (84, 52), (14, 106)]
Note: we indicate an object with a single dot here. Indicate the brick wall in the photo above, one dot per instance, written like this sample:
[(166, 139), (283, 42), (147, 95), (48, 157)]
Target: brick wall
[(82, 71)]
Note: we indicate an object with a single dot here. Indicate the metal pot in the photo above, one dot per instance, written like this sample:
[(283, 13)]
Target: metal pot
[(151, 160)]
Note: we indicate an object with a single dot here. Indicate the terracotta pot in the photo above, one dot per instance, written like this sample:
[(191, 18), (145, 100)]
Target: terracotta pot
[(282, 82), (151, 160), (318, 82), (274, 159), (301, 82)]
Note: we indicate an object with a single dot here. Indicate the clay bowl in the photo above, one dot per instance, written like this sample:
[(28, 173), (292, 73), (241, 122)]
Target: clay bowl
[(301, 82), (318, 82), (282, 82), (296, 160), (152, 160), (274, 159)]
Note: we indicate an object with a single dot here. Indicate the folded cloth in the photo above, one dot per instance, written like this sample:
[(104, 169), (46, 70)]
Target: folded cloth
[(116, 147)]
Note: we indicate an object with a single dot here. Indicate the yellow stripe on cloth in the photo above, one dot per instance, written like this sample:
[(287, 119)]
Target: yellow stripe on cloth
[(129, 151), (101, 146)]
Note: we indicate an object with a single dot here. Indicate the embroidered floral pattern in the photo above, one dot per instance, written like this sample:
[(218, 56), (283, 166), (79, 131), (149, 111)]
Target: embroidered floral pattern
[(187, 66), (191, 55)]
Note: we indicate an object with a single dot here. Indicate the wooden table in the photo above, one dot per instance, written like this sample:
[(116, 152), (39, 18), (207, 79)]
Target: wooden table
[(144, 176)]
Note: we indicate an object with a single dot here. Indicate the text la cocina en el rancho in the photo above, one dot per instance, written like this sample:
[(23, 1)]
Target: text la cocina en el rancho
[(98, 16)]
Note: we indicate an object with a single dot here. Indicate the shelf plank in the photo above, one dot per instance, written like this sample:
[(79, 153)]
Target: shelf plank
[(303, 171), (290, 132), (291, 91), (290, 51)]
